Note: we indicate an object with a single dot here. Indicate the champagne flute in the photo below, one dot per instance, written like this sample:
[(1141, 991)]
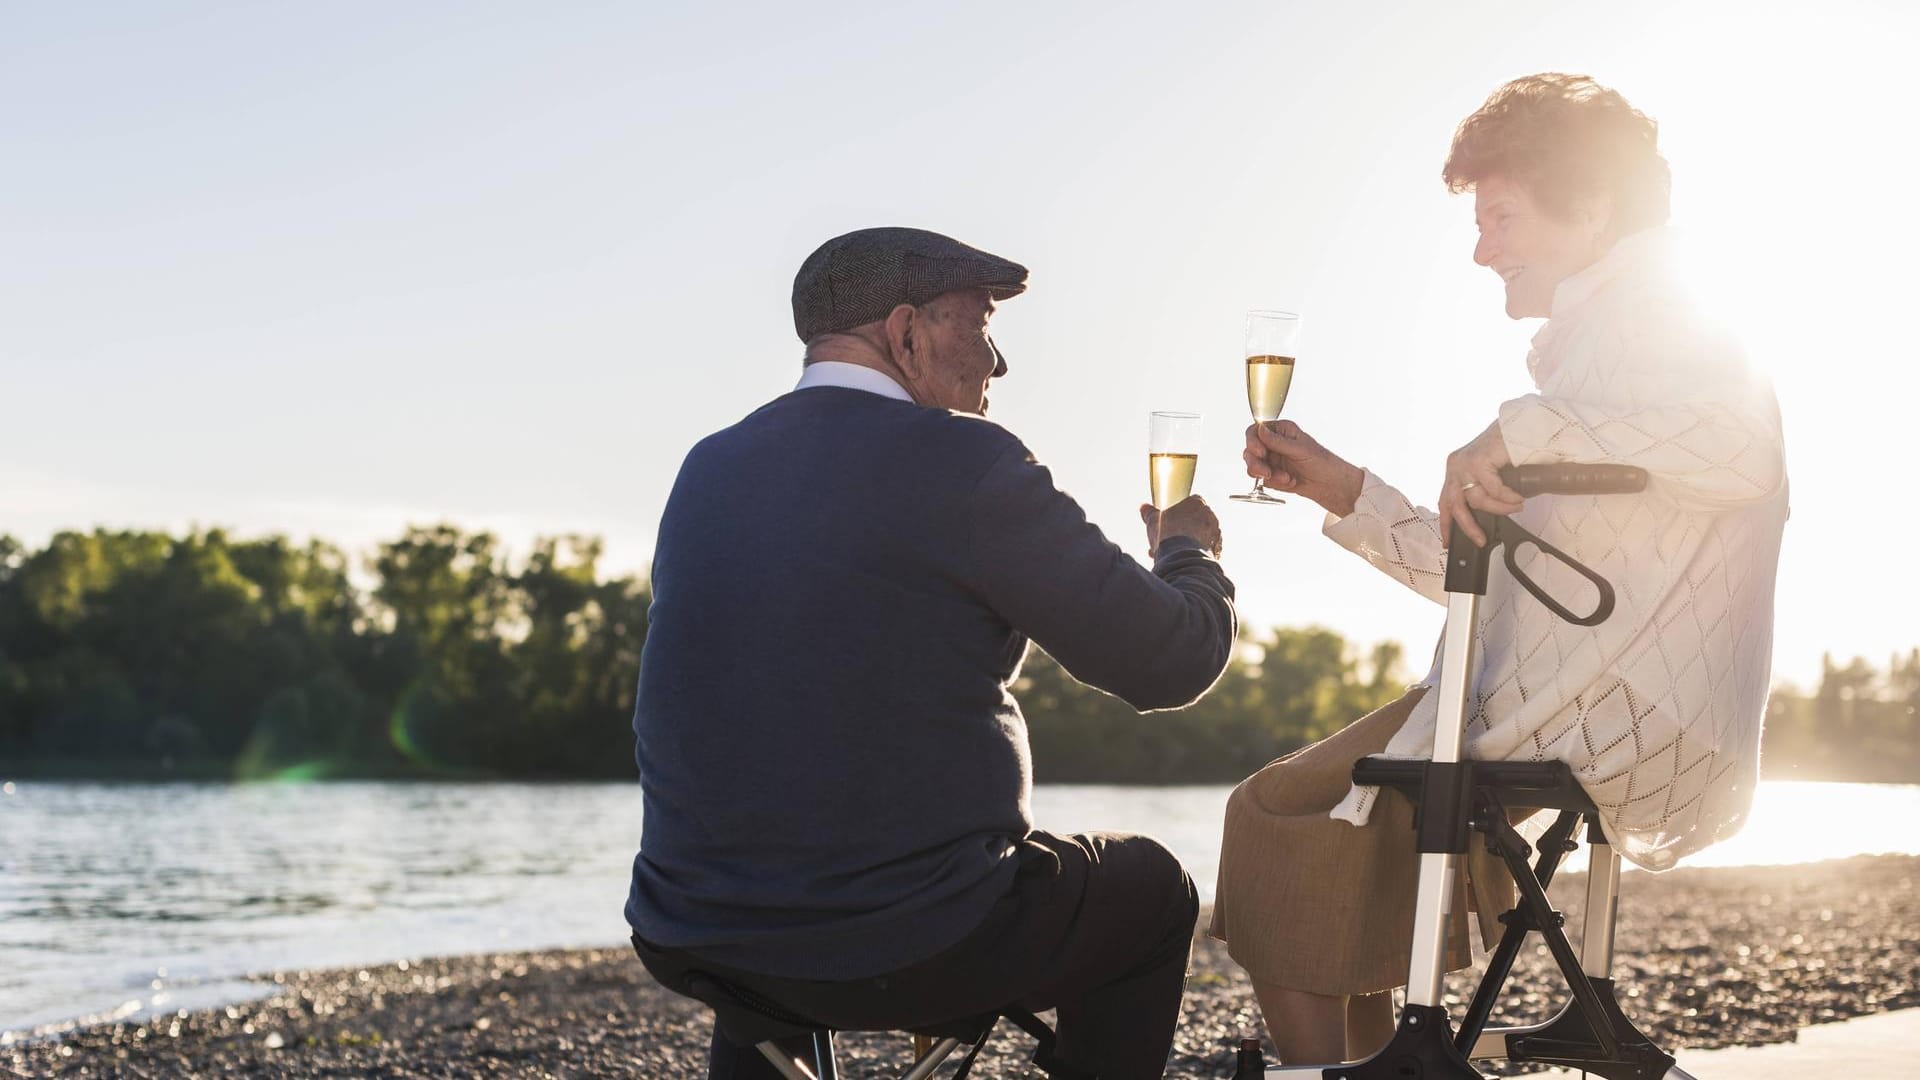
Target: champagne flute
[(1173, 452), (1271, 347)]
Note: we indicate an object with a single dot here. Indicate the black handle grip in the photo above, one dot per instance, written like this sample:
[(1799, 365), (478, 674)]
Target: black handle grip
[(1518, 538), (1468, 563), (1573, 478)]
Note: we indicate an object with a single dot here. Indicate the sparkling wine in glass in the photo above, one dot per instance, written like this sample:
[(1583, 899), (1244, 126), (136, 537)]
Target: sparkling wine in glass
[(1271, 349), (1173, 452)]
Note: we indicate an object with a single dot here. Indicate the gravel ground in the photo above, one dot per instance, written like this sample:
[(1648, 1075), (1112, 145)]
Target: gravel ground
[(1706, 958)]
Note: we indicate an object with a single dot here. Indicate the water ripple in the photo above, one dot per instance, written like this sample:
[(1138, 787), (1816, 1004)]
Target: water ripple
[(111, 893)]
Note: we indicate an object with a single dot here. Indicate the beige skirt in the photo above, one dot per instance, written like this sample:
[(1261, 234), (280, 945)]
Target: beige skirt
[(1311, 903)]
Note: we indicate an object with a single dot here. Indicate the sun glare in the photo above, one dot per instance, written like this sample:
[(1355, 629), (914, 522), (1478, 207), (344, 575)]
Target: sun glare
[(1791, 194)]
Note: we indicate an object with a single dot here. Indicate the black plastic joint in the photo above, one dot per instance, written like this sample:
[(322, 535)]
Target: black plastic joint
[(1468, 564), (1446, 807), (1422, 1046), (1521, 917)]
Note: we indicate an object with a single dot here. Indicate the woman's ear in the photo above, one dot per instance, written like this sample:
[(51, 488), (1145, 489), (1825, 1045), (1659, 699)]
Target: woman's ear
[(1595, 215)]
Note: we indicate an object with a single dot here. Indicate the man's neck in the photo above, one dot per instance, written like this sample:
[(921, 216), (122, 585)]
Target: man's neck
[(858, 351), (848, 349)]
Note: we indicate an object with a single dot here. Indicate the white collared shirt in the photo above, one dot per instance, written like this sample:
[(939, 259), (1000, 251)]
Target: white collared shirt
[(852, 377)]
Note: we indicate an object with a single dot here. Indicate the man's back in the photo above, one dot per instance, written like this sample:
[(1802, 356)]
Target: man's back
[(819, 716), (834, 772)]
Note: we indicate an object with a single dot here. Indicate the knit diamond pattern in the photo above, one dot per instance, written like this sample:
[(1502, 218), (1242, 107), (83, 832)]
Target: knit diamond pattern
[(1658, 709)]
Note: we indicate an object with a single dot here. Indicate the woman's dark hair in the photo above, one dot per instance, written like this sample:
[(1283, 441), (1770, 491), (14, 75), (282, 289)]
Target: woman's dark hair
[(1563, 137)]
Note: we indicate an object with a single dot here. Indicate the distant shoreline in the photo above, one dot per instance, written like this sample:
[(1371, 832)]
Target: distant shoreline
[(1824, 942), (90, 771)]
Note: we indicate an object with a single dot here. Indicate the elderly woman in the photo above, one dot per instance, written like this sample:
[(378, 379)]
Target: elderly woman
[(1658, 709)]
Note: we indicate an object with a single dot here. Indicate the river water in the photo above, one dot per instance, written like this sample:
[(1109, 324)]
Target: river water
[(123, 898)]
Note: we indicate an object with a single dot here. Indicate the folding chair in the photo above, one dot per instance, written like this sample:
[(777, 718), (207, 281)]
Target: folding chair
[(1457, 798), (803, 1049)]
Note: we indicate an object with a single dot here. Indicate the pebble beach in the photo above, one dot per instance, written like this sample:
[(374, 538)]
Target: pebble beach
[(1707, 958)]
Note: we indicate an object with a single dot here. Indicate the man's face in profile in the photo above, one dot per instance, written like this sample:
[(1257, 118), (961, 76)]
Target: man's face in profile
[(963, 357)]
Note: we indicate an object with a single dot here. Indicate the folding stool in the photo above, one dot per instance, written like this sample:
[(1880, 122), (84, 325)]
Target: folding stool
[(803, 1049)]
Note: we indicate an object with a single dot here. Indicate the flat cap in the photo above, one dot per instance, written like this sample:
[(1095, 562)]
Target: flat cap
[(860, 277)]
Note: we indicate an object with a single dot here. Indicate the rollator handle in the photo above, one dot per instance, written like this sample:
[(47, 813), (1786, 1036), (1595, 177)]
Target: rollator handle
[(1468, 564), (1573, 478)]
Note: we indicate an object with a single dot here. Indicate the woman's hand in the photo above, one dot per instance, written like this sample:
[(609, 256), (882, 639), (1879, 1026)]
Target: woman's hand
[(1285, 458), (1473, 483)]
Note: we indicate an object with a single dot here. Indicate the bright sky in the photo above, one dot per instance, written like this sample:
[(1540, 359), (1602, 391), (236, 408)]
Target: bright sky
[(332, 268)]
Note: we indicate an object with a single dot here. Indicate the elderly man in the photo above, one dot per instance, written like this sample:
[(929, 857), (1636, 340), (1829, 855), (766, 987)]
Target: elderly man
[(835, 775)]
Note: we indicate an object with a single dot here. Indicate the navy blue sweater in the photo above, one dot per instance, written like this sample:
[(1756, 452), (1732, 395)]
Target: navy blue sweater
[(833, 770)]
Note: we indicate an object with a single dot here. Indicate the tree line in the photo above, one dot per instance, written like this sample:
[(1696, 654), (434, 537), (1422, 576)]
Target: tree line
[(138, 653), (1860, 723), (142, 654)]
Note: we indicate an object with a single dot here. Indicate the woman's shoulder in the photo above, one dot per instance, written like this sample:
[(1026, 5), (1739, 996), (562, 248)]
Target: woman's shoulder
[(1654, 321)]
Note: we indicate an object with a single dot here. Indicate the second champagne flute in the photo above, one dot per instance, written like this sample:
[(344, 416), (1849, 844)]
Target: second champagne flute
[(1272, 346), (1173, 452)]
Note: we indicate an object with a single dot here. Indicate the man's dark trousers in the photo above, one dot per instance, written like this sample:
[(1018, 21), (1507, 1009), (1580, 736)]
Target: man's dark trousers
[(1097, 927)]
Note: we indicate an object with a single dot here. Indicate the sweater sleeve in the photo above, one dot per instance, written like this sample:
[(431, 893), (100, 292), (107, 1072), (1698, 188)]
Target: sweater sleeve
[(1676, 400), (1401, 539), (1157, 640)]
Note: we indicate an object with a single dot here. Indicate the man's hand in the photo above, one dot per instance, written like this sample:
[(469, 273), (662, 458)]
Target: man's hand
[(1473, 483), (1285, 458), (1189, 517)]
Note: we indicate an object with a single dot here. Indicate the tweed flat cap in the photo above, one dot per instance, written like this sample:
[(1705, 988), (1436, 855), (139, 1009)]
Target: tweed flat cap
[(860, 277)]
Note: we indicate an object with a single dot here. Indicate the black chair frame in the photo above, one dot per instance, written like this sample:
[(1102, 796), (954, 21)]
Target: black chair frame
[(1591, 1032), (803, 1049)]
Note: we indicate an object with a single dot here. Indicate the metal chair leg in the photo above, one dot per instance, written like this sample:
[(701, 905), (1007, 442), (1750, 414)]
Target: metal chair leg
[(785, 1063), (818, 1055), (936, 1053), (824, 1066)]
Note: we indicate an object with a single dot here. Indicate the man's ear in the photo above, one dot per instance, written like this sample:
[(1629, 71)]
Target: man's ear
[(901, 328)]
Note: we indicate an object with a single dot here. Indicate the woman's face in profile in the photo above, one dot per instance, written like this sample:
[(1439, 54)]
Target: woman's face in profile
[(1532, 250)]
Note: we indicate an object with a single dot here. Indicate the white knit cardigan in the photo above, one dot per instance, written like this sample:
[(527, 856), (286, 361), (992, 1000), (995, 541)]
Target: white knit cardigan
[(1658, 709)]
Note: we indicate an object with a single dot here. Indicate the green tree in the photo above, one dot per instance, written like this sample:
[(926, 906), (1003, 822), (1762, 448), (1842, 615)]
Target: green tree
[(448, 605), (1278, 693), (577, 663)]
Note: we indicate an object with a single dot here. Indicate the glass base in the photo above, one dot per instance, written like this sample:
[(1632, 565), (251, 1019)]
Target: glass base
[(1258, 497)]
